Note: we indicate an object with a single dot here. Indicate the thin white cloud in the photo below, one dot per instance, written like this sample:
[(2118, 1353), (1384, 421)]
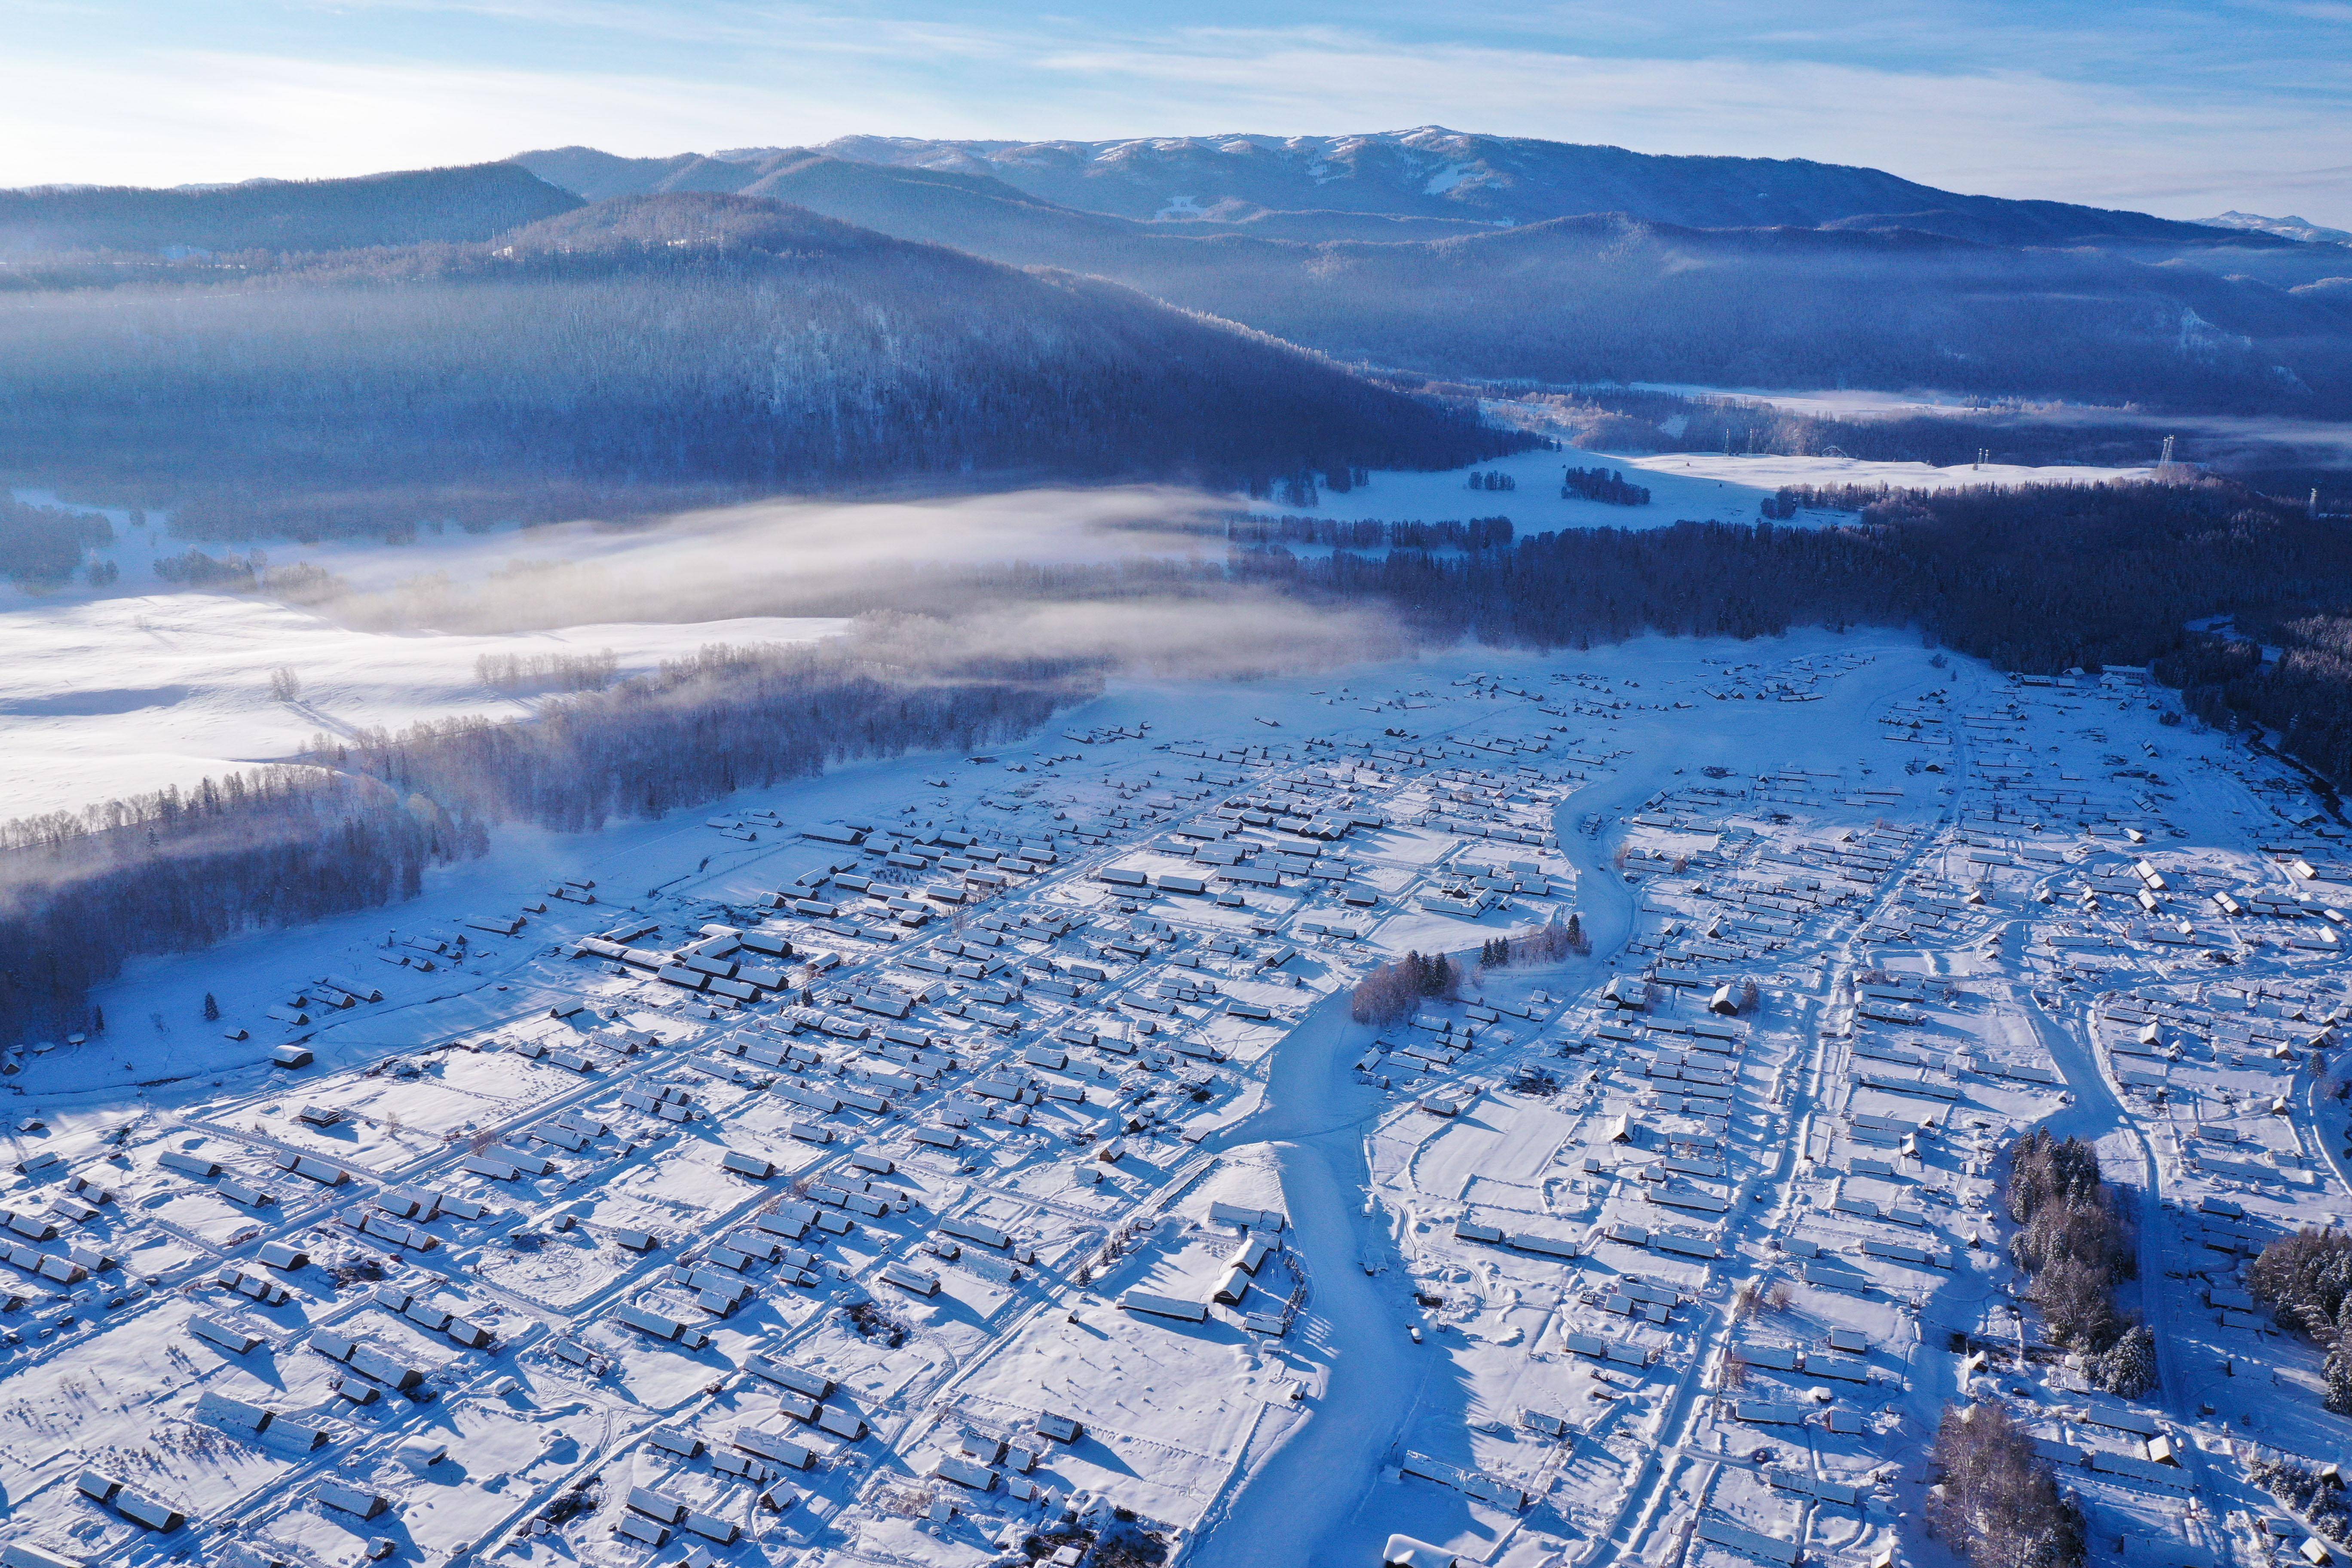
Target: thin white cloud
[(726, 76)]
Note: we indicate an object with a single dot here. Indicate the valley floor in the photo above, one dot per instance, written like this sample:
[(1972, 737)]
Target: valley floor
[(1046, 1190)]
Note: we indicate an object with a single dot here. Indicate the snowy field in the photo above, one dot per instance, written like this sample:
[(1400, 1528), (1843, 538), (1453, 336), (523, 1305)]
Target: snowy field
[(119, 689), (1684, 486), (893, 1167), (104, 697)]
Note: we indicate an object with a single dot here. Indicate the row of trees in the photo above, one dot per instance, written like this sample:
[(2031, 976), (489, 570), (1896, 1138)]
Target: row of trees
[(1641, 420), (1602, 485), (1369, 534), (1548, 943), (2074, 1242), (176, 870), (548, 671), (2307, 1280)]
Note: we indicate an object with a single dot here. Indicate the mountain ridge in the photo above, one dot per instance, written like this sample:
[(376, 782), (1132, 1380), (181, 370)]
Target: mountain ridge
[(1433, 172), (1614, 296), (650, 352), (454, 205)]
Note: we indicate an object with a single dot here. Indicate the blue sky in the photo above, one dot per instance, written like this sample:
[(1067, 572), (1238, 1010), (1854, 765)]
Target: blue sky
[(2180, 109)]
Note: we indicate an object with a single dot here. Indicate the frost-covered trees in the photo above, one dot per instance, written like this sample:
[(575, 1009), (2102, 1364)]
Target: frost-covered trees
[(2301, 1488), (2306, 1279), (1393, 991), (44, 544), (2128, 1367), (1996, 1501), (1602, 485), (2072, 1239), (1548, 943)]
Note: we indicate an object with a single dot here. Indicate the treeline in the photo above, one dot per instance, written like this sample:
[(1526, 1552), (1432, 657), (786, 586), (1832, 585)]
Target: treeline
[(1602, 485), (175, 871), (2300, 697), (44, 545), (1474, 533), (548, 671), (2036, 578), (659, 350), (2075, 1244), (1635, 419), (723, 719), (2307, 1280)]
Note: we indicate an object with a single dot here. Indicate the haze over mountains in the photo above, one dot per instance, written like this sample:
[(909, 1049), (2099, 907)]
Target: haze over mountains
[(838, 315), (1457, 256), (405, 208), (661, 344)]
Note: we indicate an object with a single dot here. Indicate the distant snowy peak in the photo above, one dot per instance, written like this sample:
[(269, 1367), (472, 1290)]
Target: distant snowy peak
[(2287, 227)]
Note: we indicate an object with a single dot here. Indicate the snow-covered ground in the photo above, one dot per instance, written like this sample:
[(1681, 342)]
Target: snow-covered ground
[(105, 697), (1684, 486), (1536, 1275), (120, 689), (1837, 402)]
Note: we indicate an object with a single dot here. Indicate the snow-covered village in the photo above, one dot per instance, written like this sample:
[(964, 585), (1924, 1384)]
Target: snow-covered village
[(882, 783), (1427, 1114)]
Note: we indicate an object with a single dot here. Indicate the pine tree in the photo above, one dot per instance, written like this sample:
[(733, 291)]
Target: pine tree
[(212, 1009), (98, 1020), (2128, 1366), (2338, 1396)]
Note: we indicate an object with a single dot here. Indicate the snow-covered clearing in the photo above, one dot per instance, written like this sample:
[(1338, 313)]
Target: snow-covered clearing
[(1048, 1176), (1684, 486)]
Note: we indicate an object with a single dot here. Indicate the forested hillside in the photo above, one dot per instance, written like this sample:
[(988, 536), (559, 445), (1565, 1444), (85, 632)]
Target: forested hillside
[(654, 348), (1611, 297)]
